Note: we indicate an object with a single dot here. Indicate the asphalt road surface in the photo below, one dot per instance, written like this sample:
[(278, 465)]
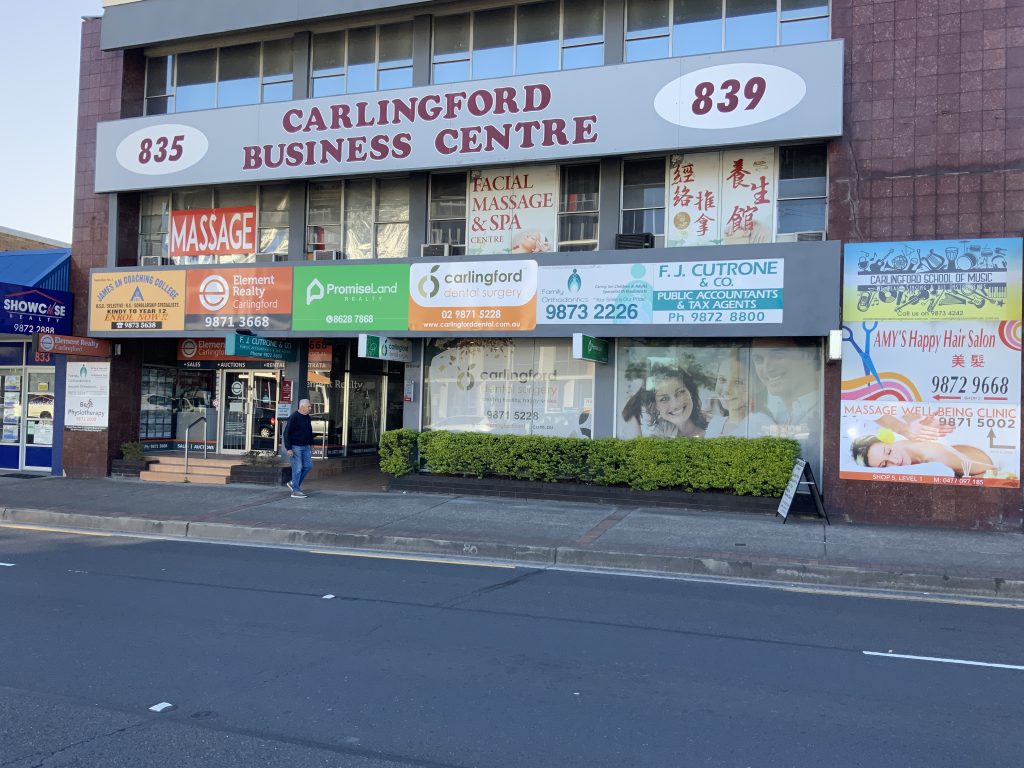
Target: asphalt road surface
[(438, 664)]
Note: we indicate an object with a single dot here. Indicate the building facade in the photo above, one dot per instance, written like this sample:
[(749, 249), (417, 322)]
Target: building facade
[(487, 179)]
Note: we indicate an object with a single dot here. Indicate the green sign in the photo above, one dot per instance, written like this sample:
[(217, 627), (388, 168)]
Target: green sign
[(260, 347), (384, 348), (351, 297), (589, 348)]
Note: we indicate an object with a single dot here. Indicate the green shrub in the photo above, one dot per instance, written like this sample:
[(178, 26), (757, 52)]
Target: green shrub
[(397, 448), (757, 467), (133, 451)]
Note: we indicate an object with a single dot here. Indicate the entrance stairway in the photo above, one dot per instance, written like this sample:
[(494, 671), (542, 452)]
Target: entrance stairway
[(164, 468)]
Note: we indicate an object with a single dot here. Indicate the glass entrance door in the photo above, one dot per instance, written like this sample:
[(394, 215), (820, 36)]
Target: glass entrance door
[(249, 411), (365, 401)]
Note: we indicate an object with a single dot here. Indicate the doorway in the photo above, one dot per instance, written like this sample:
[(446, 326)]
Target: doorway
[(249, 411)]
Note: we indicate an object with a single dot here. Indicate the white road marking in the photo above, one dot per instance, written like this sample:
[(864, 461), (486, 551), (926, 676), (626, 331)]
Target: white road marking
[(375, 556), (891, 655), (49, 529), (161, 707), (327, 597), (7, 565)]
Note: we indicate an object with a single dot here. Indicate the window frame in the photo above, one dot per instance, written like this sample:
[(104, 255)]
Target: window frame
[(659, 237), (341, 224), (377, 67), (780, 22), (212, 202), (561, 214), (467, 57), (262, 79)]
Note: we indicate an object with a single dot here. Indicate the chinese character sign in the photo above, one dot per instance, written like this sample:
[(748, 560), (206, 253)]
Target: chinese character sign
[(722, 198), (930, 390), (694, 190)]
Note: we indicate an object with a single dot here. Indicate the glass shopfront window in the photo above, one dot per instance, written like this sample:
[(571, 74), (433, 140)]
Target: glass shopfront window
[(172, 399), (507, 386), (734, 388), (27, 411)]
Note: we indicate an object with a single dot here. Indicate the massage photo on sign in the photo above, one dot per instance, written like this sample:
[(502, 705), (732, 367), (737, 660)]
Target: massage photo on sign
[(767, 387)]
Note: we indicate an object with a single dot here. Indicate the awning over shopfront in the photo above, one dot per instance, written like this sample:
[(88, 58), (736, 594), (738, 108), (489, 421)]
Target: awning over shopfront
[(37, 269)]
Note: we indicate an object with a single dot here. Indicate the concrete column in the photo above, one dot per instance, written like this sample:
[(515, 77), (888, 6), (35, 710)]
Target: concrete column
[(418, 190), (614, 31), (604, 395), (421, 44), (297, 220), (300, 66), (412, 414), (610, 200)]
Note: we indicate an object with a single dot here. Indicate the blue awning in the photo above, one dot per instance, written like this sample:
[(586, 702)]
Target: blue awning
[(49, 268)]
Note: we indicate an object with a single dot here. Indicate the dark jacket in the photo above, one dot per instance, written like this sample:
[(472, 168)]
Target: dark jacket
[(298, 431)]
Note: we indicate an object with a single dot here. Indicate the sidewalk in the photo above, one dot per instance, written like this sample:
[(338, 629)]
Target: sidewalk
[(740, 545)]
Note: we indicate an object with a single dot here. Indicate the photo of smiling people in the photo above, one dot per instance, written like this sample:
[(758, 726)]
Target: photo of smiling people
[(751, 388)]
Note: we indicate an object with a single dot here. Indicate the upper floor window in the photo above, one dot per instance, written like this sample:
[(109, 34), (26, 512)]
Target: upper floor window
[(643, 198), (448, 211), (657, 29), (219, 77), (518, 40), (360, 218), (803, 188), (363, 59), (271, 237), (578, 209)]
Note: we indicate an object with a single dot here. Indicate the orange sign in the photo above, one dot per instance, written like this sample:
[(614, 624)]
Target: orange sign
[(320, 355), (214, 232), (257, 298), (473, 296)]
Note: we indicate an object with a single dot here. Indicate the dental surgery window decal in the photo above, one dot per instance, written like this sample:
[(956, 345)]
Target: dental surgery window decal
[(507, 386)]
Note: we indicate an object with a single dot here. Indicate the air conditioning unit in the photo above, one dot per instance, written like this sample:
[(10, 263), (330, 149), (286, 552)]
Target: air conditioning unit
[(327, 255), (433, 250), (638, 240), (271, 257), (799, 237), (155, 261)]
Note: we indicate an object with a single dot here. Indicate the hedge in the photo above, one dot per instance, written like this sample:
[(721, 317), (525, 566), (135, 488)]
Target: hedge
[(752, 467)]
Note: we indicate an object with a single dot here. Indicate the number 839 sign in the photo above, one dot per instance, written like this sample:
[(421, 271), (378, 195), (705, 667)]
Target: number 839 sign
[(161, 149), (730, 96)]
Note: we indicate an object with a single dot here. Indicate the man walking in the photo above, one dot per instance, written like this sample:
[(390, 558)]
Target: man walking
[(298, 440)]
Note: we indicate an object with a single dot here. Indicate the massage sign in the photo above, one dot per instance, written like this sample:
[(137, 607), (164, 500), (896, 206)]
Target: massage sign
[(512, 210), (229, 298)]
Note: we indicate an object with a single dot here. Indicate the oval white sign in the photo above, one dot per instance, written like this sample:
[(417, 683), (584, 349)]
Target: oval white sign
[(730, 96), (161, 149)]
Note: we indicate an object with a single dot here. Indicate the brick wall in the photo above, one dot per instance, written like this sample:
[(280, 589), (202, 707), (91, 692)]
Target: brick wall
[(9, 242), (932, 148), (110, 88)]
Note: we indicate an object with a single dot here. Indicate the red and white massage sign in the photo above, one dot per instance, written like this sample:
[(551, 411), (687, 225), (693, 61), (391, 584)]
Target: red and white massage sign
[(213, 232)]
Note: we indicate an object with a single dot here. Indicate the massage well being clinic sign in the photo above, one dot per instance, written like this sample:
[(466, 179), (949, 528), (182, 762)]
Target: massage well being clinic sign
[(757, 96), (931, 363), (513, 210)]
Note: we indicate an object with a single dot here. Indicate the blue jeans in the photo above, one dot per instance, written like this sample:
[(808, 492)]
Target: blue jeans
[(302, 462)]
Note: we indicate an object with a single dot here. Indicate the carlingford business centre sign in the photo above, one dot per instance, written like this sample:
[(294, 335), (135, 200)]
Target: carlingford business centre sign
[(762, 95)]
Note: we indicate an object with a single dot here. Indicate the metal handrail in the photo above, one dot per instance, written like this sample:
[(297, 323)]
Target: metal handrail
[(188, 431)]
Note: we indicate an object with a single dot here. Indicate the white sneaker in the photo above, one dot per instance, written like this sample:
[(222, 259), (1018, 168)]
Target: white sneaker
[(289, 484), (299, 495)]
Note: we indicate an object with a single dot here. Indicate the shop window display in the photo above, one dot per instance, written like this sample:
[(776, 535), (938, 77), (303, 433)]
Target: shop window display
[(508, 386), (753, 388)]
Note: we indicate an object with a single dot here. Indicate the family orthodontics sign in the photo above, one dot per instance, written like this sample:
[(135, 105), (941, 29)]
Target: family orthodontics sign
[(761, 95)]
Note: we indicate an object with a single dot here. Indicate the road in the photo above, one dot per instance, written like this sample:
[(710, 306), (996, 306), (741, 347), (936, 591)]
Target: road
[(451, 665)]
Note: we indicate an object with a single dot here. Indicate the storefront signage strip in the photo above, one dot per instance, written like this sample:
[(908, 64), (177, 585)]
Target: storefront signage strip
[(776, 290), (787, 92), (57, 344)]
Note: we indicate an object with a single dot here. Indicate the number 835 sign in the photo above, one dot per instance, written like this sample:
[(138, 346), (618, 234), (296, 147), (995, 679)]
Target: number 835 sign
[(160, 149), (730, 96)]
